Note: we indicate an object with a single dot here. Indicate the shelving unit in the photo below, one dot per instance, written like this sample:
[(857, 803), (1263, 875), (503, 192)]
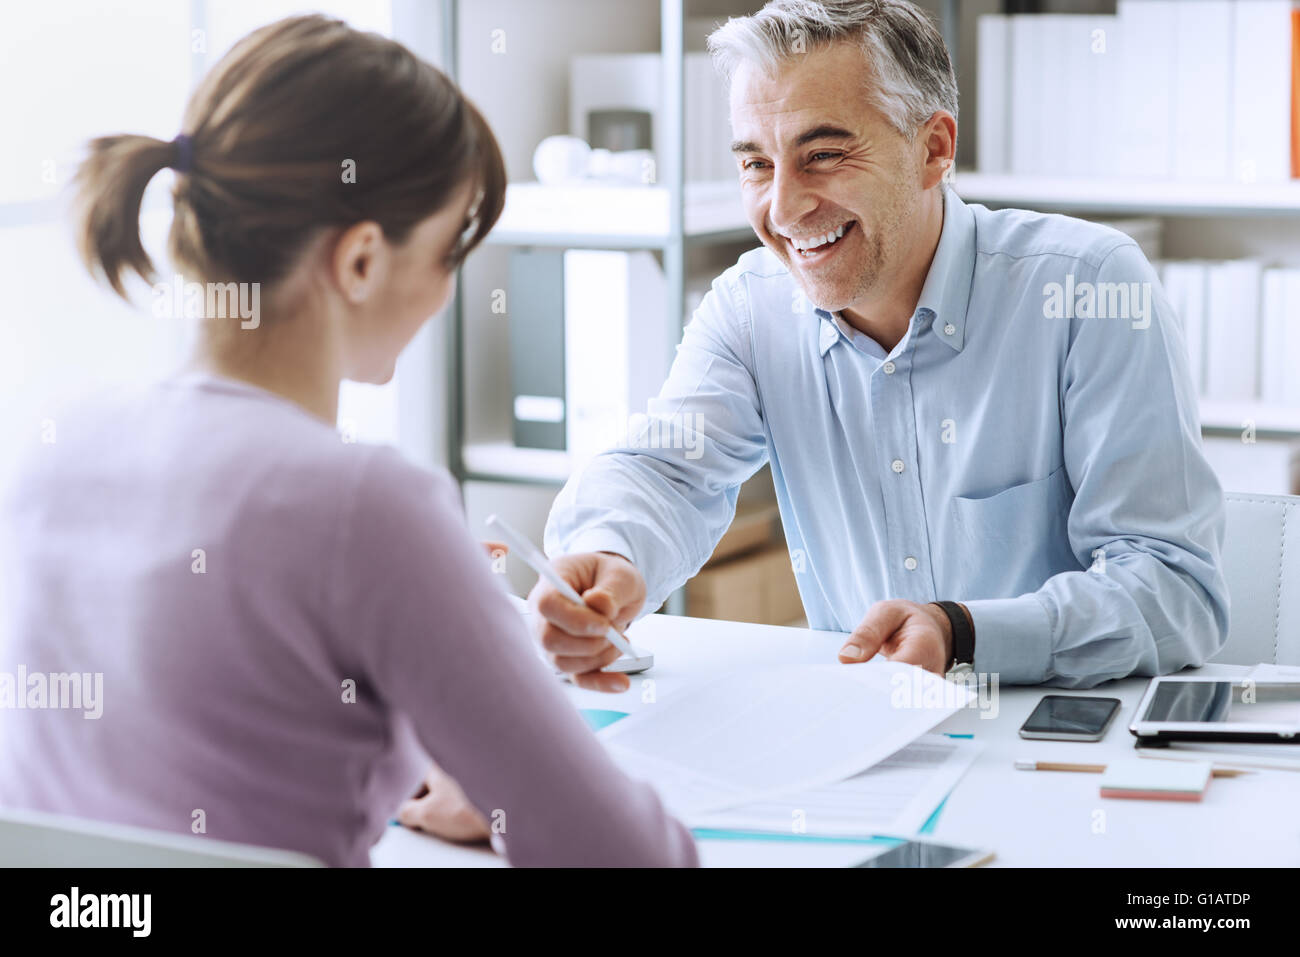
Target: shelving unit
[(1222, 202), (579, 218), (716, 215), (665, 219), (1271, 421), (1130, 196), (506, 462)]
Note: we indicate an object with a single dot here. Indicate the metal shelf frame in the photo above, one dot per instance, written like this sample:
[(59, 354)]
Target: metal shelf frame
[(673, 246)]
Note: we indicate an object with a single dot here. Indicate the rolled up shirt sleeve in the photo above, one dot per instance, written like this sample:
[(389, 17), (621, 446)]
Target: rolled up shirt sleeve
[(1147, 518)]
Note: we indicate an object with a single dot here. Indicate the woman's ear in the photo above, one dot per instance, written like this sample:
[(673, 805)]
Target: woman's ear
[(359, 260)]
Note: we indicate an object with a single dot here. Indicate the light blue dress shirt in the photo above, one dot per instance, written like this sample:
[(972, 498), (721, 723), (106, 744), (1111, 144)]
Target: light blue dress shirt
[(1021, 449)]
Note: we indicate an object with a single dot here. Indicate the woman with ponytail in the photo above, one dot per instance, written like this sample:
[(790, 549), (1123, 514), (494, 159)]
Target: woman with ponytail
[(281, 630)]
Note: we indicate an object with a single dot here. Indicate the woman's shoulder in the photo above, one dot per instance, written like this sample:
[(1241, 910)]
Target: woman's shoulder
[(386, 469), (387, 483)]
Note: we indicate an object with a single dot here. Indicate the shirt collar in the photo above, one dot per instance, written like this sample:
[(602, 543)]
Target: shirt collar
[(946, 292)]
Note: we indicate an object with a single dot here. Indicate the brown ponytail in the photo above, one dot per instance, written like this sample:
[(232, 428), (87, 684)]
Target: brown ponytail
[(111, 184), (275, 128)]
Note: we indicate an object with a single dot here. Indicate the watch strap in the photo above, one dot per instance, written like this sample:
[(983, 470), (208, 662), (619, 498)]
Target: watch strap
[(963, 635)]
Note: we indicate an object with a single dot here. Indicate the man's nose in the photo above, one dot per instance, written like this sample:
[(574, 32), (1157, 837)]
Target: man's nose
[(792, 200)]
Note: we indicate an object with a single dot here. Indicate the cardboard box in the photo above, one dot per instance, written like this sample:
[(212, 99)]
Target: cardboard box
[(781, 601), (757, 587), (750, 529)]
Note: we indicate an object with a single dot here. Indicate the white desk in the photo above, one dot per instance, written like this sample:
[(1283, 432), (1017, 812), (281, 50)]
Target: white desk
[(1029, 818)]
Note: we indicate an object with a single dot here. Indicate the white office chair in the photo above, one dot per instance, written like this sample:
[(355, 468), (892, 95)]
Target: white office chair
[(1261, 562), (33, 839)]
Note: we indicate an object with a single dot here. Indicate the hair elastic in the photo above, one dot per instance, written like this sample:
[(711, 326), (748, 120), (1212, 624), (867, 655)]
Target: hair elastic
[(184, 153)]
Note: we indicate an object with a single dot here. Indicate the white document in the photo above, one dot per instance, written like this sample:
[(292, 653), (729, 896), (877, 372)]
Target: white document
[(1104, 109), (1054, 34), (1083, 64), (1203, 73), (1147, 79), (1233, 754), (993, 105), (1232, 330), (1185, 286), (616, 352), (1273, 371), (1029, 111), (760, 732), (895, 797), (1267, 671), (1291, 312), (1261, 89)]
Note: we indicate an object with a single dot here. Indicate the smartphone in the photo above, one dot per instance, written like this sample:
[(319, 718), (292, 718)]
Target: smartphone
[(928, 854), (1062, 717)]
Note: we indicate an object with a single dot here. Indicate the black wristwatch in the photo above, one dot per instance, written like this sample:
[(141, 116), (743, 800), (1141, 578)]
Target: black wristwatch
[(963, 635)]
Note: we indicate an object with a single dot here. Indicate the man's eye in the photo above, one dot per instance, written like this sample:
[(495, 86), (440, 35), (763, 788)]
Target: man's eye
[(818, 157), (753, 164)]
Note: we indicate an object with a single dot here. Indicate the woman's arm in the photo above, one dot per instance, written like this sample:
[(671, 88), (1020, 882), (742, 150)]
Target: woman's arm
[(441, 643)]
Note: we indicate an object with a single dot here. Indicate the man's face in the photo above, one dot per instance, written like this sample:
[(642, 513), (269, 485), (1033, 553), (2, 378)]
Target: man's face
[(817, 162)]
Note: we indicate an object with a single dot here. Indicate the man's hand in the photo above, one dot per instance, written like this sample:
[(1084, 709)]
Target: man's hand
[(903, 631), (441, 808), (574, 636)]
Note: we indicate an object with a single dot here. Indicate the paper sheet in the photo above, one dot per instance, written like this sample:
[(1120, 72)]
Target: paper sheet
[(895, 797), (1271, 672), (760, 732)]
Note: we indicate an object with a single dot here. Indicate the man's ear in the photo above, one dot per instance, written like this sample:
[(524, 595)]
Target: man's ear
[(937, 140), (359, 258)]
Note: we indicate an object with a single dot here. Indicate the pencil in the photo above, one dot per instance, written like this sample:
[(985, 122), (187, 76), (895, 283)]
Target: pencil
[(1099, 768)]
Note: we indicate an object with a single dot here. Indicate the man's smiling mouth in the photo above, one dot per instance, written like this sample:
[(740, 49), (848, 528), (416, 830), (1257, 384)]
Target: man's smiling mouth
[(816, 246)]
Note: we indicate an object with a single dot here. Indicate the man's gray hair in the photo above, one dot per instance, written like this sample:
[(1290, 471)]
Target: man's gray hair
[(903, 50)]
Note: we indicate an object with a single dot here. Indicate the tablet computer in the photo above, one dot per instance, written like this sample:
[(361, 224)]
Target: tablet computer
[(1181, 708)]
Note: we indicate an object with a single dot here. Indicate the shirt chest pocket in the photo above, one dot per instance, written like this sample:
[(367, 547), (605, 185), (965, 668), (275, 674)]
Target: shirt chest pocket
[(1032, 514)]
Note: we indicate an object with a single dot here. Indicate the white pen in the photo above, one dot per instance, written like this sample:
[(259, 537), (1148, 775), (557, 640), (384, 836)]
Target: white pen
[(538, 563)]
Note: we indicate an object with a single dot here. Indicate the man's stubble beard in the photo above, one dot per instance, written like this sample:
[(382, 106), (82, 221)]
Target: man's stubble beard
[(879, 247)]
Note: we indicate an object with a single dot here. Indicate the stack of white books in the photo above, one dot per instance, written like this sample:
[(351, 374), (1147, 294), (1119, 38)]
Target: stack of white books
[(1241, 322), (1267, 467), (1197, 90)]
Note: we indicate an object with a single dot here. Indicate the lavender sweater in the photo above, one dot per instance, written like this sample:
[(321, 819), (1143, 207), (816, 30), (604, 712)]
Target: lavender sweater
[(287, 627)]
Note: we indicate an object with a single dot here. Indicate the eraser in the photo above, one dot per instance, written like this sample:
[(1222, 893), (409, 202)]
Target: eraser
[(1156, 780)]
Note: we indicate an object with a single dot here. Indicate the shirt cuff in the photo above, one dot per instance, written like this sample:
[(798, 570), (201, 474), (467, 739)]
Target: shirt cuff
[(595, 540), (1013, 639)]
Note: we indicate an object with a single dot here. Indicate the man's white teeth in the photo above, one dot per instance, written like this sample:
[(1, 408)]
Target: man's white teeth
[(804, 245)]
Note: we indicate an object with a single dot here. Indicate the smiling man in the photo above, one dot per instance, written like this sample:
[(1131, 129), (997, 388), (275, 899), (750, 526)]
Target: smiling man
[(967, 472)]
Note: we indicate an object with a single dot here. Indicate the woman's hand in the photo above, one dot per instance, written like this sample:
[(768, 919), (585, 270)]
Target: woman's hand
[(441, 808)]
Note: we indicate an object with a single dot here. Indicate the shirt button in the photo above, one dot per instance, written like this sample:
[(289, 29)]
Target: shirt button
[(889, 368), (909, 563), (897, 465), (949, 329)]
